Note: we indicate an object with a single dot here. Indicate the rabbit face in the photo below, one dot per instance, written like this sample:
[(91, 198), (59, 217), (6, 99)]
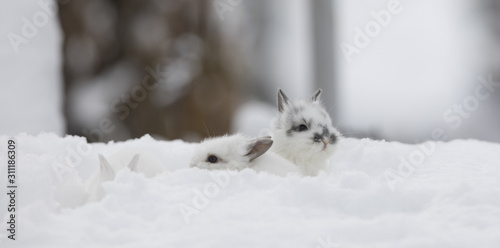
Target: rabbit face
[(229, 152), (303, 132)]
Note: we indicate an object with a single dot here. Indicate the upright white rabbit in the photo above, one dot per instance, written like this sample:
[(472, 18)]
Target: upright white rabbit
[(303, 133), (136, 160), (236, 152)]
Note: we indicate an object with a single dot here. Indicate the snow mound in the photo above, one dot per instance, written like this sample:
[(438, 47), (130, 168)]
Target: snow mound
[(376, 194)]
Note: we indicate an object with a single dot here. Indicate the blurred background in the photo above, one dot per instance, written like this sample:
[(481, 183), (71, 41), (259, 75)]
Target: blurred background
[(403, 70)]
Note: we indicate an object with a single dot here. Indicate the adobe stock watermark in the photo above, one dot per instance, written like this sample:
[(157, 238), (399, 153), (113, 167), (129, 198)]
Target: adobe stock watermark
[(201, 197), (483, 90), (452, 117), (31, 26), (408, 164), (372, 29), (71, 160), (222, 7)]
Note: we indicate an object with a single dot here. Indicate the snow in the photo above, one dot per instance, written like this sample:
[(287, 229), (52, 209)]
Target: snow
[(446, 195), (31, 85)]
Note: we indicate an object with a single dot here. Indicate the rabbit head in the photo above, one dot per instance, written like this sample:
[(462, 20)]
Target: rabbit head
[(234, 152), (303, 132), (105, 173)]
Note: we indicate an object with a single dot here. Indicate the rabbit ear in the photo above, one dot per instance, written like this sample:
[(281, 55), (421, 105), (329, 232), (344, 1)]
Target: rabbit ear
[(315, 96), (259, 146), (106, 171), (282, 100), (133, 163)]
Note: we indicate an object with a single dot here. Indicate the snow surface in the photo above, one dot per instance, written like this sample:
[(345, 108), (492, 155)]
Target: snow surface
[(451, 198)]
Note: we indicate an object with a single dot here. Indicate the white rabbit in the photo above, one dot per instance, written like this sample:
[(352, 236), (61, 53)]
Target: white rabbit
[(236, 152), (135, 160), (303, 133)]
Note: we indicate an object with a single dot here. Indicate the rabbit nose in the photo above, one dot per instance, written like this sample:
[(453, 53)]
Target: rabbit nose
[(317, 138), (325, 142)]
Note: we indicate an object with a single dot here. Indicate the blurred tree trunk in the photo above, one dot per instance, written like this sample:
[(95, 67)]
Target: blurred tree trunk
[(178, 40), (491, 16), (494, 16)]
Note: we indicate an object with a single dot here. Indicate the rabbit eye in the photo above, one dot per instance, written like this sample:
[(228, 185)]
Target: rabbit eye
[(212, 159), (303, 128)]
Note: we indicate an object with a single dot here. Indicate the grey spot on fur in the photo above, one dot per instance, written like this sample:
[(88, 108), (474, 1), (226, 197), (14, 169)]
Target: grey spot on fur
[(333, 139), (325, 131), (317, 137), (296, 126)]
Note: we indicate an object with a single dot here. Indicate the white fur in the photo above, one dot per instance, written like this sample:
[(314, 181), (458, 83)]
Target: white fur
[(300, 147), (233, 154), (133, 159), (274, 164)]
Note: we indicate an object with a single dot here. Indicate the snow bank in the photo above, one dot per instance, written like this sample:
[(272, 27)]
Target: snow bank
[(378, 194)]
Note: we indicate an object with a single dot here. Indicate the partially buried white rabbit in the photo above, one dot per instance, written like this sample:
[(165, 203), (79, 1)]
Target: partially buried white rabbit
[(237, 152), (133, 159), (303, 133)]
